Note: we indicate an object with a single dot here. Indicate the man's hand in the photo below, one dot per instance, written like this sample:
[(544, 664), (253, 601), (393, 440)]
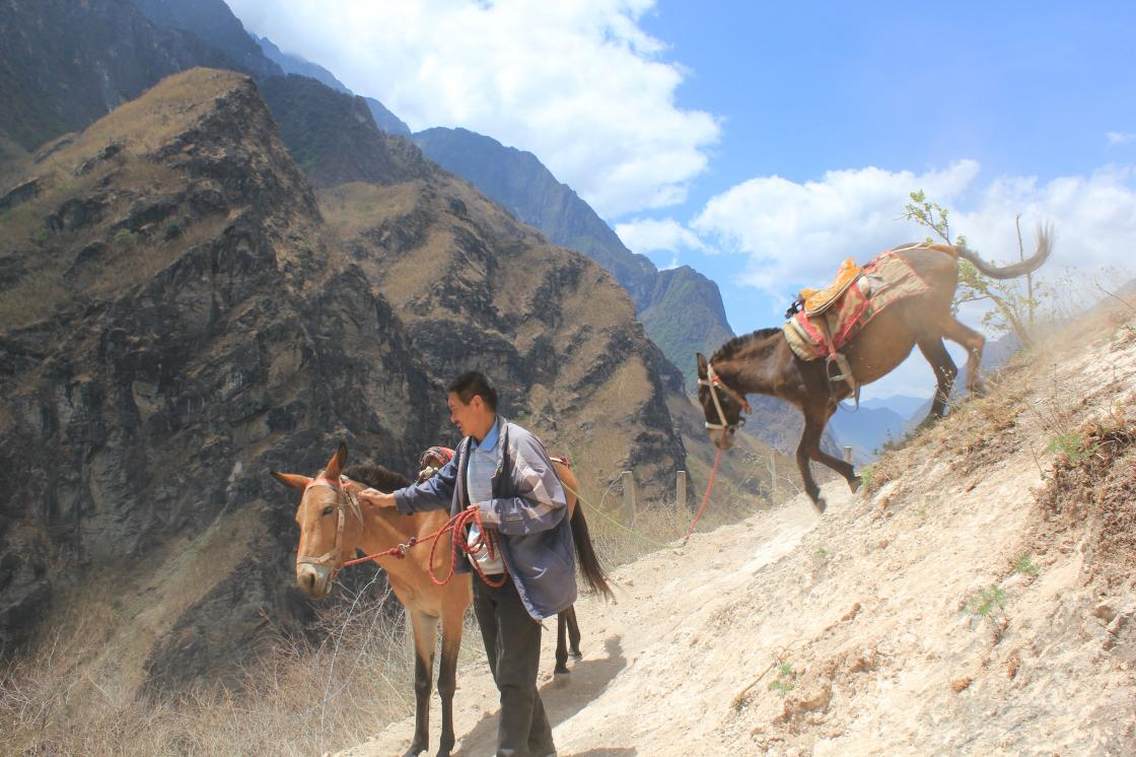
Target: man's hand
[(367, 496), (376, 498)]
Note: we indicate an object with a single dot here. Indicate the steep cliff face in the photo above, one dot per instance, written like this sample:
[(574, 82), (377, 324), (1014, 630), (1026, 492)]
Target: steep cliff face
[(333, 136), (294, 64), (681, 310), (683, 315), (64, 64), (476, 289), (179, 316), (520, 183), (174, 325), (214, 23)]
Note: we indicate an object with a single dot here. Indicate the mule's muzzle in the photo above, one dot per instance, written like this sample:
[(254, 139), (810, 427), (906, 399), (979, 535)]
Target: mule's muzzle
[(314, 580), (723, 438)]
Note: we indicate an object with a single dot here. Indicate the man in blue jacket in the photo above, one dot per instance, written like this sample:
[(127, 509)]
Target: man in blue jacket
[(504, 471)]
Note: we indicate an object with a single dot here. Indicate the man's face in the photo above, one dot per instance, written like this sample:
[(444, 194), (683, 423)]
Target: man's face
[(468, 418)]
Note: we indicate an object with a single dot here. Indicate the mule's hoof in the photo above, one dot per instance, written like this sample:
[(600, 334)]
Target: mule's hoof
[(415, 750), (561, 670), (820, 504), (576, 654)]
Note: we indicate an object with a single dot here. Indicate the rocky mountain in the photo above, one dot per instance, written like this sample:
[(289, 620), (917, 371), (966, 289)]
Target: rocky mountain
[(65, 64), (333, 136), (867, 429), (681, 310), (212, 22), (901, 404), (181, 314), (684, 315), (549, 324), (294, 64)]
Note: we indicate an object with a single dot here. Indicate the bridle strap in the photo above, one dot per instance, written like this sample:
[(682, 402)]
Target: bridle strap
[(714, 382), (343, 500)]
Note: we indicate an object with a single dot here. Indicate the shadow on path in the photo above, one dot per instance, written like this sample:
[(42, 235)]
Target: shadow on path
[(563, 697)]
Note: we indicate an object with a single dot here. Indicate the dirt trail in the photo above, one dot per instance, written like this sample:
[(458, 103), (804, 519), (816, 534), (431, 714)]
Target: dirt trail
[(896, 623)]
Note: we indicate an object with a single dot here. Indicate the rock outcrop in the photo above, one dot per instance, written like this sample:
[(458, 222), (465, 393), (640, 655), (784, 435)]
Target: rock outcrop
[(681, 309), (175, 326), (181, 314)]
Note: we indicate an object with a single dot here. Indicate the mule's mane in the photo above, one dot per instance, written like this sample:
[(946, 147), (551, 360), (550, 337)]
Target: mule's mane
[(376, 476), (734, 346)]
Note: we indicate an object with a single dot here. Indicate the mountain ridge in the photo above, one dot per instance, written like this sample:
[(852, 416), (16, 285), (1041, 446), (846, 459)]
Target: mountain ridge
[(682, 310)]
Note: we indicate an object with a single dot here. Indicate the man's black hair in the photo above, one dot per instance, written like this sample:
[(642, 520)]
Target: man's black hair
[(474, 383)]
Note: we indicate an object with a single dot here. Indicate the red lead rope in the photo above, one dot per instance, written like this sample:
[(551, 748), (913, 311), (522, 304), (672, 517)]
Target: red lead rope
[(706, 496), (456, 526)]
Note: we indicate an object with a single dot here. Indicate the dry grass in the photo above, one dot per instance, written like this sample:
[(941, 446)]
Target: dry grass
[(306, 698), (1092, 488), (977, 432)]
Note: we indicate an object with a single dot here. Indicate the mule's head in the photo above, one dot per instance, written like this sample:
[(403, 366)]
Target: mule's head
[(329, 525), (721, 405)]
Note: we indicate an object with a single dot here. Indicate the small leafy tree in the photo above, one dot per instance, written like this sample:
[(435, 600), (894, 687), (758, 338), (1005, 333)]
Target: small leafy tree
[(1014, 310)]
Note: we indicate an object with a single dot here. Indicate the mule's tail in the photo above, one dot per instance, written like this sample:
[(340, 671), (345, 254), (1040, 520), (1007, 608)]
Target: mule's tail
[(586, 555), (1044, 246)]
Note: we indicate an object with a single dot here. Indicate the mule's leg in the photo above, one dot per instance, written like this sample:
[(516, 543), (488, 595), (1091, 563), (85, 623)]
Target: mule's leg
[(573, 633), (561, 644), (945, 372), (810, 439), (425, 631), (452, 617), (838, 465), (974, 343)]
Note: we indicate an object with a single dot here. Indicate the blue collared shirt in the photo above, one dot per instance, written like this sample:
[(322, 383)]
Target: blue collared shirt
[(479, 484)]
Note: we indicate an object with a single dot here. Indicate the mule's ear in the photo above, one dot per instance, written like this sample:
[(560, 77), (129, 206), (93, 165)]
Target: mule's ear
[(703, 366), (335, 465), (294, 480)]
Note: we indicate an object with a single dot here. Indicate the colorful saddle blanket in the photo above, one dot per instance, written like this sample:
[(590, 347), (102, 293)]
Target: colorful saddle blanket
[(832, 316)]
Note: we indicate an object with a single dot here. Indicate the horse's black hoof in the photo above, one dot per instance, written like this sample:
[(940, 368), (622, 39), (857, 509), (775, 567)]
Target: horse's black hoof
[(820, 504), (854, 483), (561, 670), (415, 750)]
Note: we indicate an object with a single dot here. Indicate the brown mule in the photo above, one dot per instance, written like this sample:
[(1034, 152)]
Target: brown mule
[(333, 526), (763, 362)]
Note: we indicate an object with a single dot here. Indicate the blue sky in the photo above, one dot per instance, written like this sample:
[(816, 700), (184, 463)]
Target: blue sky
[(762, 143), (806, 88), (1023, 89)]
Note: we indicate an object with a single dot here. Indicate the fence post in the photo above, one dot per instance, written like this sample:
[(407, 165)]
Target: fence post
[(629, 503), (680, 492), (848, 453)]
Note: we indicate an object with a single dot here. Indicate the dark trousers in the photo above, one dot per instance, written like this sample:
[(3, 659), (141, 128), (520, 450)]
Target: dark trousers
[(512, 644)]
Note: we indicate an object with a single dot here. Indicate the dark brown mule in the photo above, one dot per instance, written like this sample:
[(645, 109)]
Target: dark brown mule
[(763, 362), (333, 526)]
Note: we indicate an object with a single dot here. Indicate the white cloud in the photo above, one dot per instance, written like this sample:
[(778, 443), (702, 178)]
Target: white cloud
[(795, 234), (1119, 137), (647, 235), (579, 84)]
